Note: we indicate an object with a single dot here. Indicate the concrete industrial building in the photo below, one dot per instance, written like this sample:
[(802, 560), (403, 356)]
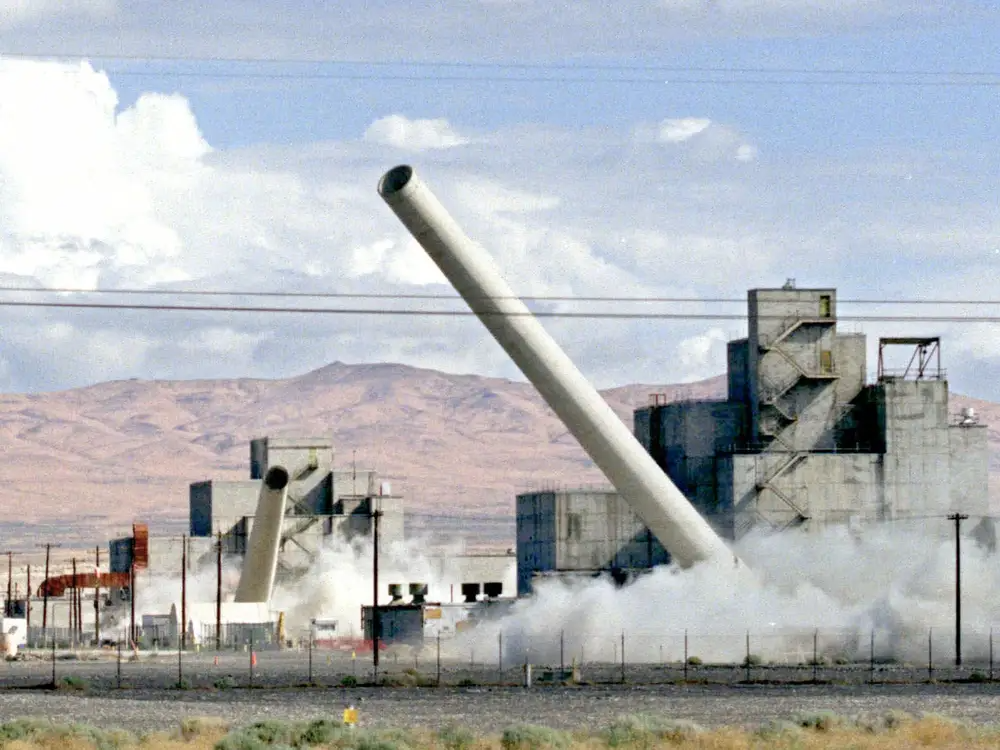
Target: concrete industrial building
[(801, 441), (322, 502), (582, 532), (325, 506)]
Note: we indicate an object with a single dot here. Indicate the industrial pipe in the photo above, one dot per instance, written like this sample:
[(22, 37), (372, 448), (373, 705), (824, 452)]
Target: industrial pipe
[(633, 472), (260, 564)]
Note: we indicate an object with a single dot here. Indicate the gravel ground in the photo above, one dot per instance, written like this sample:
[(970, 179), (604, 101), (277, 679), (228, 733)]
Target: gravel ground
[(492, 709), (149, 700)]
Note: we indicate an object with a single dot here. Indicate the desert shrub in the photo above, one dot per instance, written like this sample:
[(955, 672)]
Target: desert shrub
[(349, 681), (182, 684), (467, 682), (978, 676), (42, 731), (228, 682), (21, 729), (381, 740), (934, 730), (822, 721), (752, 660), (196, 726), (695, 661), (647, 730), (774, 731), (533, 737), (260, 735), (456, 737), (71, 682), (272, 734), (320, 732), (889, 721)]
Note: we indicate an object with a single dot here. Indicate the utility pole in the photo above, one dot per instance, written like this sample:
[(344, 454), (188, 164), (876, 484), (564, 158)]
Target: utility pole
[(133, 631), (27, 611), (218, 594), (8, 607), (958, 518), (74, 625), (45, 590), (97, 596), (184, 565), (376, 618)]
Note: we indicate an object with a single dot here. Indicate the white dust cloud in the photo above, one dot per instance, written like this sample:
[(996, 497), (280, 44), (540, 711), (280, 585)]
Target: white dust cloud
[(899, 584)]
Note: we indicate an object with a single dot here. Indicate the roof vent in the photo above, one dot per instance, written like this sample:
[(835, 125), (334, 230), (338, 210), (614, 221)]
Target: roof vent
[(419, 592), (470, 591), (493, 589), (396, 592), (969, 417)]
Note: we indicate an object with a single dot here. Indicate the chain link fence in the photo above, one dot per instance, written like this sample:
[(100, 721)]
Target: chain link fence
[(251, 659)]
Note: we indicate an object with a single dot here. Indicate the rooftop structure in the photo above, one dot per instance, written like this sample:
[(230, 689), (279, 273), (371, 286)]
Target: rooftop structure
[(802, 438)]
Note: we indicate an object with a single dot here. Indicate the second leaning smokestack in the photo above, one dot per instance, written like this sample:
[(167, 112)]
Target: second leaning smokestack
[(633, 472), (260, 563)]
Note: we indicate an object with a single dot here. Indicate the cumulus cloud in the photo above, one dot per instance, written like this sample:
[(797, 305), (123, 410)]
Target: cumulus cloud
[(80, 181), (704, 355), (413, 135), (698, 138), (95, 194), (682, 129)]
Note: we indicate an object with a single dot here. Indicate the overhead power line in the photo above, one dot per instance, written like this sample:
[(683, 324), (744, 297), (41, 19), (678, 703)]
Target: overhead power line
[(454, 297), (615, 315), (541, 72), (499, 65)]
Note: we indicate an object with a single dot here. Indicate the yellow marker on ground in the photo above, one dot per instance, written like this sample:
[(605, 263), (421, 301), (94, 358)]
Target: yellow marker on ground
[(350, 716)]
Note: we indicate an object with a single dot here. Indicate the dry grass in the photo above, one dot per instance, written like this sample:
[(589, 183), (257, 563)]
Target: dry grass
[(820, 731)]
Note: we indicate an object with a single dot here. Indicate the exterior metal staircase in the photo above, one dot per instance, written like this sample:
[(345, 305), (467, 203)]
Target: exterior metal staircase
[(777, 416)]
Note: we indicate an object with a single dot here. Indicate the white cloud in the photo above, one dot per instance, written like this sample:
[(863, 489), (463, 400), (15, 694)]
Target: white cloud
[(92, 194), (702, 356), (413, 135), (699, 138), (682, 129)]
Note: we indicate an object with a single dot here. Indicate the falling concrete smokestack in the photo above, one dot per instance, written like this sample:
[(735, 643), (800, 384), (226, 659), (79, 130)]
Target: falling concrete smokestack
[(642, 484), (261, 561)]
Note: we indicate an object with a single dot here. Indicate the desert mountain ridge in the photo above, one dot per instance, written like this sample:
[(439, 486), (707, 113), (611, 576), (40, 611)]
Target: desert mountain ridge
[(81, 465)]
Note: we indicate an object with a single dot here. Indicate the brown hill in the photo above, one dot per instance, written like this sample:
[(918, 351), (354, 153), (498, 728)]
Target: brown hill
[(82, 464)]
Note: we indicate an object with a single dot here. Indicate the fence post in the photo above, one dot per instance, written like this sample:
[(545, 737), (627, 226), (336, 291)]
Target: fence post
[(623, 656), (991, 654), (748, 656), (685, 655), (500, 655), (118, 676), (53, 657), (930, 654), (251, 660), (439, 660), (816, 655), (562, 652), (180, 667), (310, 655), (871, 659)]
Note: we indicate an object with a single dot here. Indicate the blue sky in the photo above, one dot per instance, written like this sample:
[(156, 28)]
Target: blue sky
[(230, 145)]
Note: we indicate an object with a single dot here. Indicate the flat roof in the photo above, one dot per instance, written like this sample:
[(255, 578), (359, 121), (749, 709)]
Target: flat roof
[(910, 340)]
